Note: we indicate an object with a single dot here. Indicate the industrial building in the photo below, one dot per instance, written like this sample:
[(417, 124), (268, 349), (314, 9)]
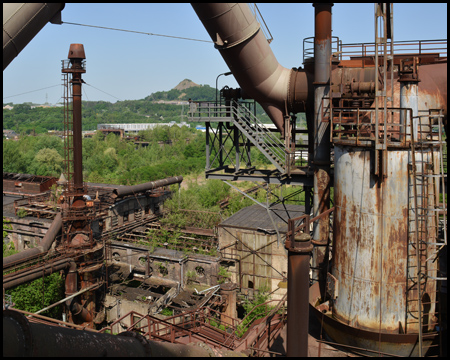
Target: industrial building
[(368, 262)]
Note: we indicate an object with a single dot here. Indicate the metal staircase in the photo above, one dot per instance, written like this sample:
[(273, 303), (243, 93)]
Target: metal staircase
[(425, 238), (248, 125), (266, 142)]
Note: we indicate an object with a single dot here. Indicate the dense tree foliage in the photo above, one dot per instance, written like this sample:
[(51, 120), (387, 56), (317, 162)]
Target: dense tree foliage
[(39, 293), (168, 151)]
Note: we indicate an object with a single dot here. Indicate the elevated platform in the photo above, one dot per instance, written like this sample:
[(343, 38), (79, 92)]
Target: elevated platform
[(298, 176)]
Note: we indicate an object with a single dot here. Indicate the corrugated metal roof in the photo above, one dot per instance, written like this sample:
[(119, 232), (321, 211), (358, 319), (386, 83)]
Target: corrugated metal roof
[(256, 217)]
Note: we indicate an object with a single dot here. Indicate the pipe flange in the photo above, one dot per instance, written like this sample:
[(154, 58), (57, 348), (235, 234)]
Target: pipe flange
[(300, 244), (145, 343)]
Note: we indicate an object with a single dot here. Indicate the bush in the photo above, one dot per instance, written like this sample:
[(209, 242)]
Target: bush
[(259, 312), (38, 294)]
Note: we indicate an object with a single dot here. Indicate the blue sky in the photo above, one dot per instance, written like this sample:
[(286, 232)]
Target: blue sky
[(132, 66)]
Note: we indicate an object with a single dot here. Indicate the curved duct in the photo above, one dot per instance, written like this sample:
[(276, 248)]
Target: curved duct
[(74, 306), (46, 243), (131, 190), (237, 35), (22, 21)]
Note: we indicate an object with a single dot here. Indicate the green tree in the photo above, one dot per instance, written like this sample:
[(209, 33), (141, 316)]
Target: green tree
[(38, 294), (48, 162), (13, 158)]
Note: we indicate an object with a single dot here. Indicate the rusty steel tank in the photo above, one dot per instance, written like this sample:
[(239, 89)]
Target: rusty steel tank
[(371, 230), (373, 258)]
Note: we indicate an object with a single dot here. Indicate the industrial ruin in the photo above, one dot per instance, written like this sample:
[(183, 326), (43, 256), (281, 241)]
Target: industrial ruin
[(368, 265)]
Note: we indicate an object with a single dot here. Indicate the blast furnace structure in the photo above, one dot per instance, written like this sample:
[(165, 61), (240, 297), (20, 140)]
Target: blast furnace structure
[(381, 112), (376, 116)]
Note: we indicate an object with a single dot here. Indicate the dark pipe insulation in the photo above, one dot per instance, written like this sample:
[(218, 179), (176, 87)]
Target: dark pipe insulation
[(130, 190), (23, 338)]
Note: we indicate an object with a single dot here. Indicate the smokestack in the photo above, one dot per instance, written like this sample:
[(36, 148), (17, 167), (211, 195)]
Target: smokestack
[(76, 57)]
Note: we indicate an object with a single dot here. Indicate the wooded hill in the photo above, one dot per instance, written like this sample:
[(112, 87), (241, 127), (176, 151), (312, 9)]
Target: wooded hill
[(25, 120)]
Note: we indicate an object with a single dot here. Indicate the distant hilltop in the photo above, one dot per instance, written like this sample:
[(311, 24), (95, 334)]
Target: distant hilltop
[(185, 84), (185, 90)]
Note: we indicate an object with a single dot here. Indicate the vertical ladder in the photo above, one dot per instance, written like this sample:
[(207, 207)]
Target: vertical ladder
[(427, 174), (68, 127)]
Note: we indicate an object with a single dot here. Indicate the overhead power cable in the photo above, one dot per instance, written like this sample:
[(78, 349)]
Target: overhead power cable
[(7, 97), (137, 32), (103, 91)]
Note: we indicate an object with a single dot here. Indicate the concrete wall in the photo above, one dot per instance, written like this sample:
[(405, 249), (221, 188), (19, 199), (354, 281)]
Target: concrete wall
[(166, 264), (27, 232), (204, 267), (130, 209)]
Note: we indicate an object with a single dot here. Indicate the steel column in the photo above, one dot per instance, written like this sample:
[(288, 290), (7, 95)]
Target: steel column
[(321, 162), (299, 251)]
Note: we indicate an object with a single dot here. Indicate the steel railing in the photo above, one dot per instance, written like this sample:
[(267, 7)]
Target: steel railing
[(357, 126), (347, 51)]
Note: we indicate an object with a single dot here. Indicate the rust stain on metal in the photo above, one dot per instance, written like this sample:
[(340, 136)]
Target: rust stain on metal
[(370, 228)]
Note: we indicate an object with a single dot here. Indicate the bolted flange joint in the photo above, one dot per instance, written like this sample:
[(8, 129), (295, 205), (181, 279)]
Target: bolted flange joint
[(300, 244)]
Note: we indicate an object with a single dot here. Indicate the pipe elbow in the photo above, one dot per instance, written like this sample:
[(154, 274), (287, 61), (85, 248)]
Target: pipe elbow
[(248, 55)]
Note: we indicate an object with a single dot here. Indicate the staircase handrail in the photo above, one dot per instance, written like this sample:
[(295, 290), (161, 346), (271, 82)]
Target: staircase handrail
[(277, 147)]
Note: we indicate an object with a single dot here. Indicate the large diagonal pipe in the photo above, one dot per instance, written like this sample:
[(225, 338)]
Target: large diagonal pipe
[(237, 35), (21, 23)]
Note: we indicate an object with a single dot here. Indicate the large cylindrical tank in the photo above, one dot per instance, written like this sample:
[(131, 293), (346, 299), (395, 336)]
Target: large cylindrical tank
[(372, 227)]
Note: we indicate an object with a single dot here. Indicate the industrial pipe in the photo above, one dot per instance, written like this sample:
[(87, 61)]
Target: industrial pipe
[(299, 251), (73, 305), (23, 338), (130, 190), (36, 273), (45, 245), (22, 21), (322, 73), (236, 34)]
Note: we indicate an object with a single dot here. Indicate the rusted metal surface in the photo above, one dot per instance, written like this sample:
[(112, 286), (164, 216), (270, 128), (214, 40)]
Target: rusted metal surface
[(322, 42), (364, 342), (370, 237), (26, 184), (321, 129), (299, 248), (355, 86), (23, 338), (131, 190), (423, 224), (35, 273), (76, 55)]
